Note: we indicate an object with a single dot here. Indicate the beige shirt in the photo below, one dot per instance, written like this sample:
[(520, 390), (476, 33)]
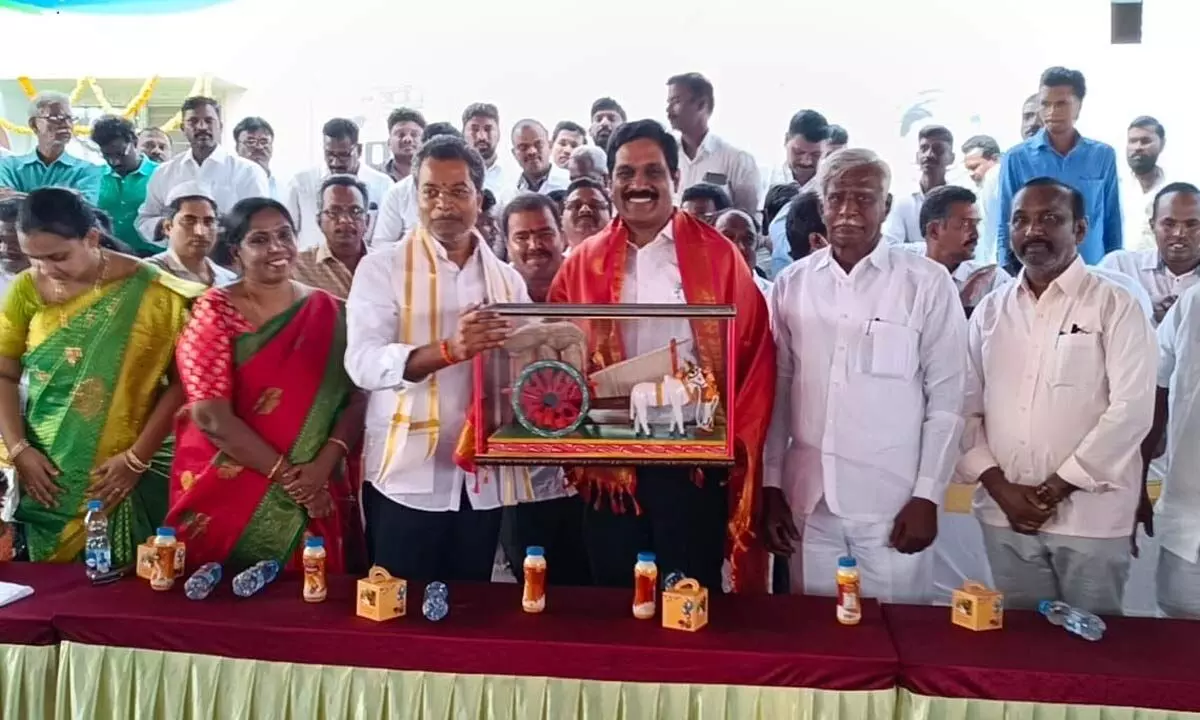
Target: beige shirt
[(870, 374), (1148, 269), (317, 267), (1178, 512), (1062, 384), (719, 163)]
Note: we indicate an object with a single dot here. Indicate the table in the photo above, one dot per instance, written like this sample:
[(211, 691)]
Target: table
[(768, 657), (28, 640), (1032, 669)]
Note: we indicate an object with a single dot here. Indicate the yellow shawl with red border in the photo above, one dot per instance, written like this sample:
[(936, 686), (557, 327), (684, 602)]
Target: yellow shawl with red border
[(713, 273)]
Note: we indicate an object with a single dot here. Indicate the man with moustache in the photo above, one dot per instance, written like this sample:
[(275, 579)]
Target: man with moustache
[(566, 137), (586, 210), (481, 128), (590, 162), (607, 115), (935, 155), (869, 387), (1144, 141), (191, 229), (654, 253), (1031, 116), (414, 323), (254, 139), (1061, 397), (398, 209), (154, 144), (406, 127), (343, 156), (342, 216), (981, 158), (228, 177), (123, 186), (1060, 152), (531, 149), (1173, 266), (706, 157), (804, 144), (950, 219), (49, 163)]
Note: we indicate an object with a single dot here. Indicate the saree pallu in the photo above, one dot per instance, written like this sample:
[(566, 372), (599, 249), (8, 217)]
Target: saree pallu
[(289, 386), (96, 365)]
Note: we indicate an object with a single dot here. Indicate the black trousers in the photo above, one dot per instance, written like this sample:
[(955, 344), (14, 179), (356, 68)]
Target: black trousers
[(423, 546), (681, 523), (556, 525)]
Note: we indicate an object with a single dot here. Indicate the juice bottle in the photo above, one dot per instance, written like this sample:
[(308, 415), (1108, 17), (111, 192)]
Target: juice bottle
[(849, 607), (645, 587), (315, 587), (162, 575), (534, 600)]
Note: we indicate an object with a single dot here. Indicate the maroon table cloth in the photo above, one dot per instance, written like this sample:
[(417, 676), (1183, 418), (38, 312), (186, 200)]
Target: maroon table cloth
[(30, 621), (1140, 662), (585, 633)]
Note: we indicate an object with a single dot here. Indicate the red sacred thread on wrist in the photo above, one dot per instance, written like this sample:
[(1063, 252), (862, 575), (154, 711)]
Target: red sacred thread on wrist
[(448, 356)]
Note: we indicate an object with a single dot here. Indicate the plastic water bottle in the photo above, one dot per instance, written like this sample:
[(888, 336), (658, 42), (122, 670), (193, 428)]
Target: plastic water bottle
[(255, 578), (1080, 622), (203, 581), (436, 605), (97, 551)]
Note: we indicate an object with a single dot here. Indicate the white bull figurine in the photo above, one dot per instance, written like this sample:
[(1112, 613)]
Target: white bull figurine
[(675, 392)]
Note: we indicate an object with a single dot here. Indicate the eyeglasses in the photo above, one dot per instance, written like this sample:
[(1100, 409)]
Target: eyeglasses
[(352, 214), (256, 142), (58, 119)]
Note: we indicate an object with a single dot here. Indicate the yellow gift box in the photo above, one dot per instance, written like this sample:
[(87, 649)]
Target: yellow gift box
[(381, 596), (685, 606), (975, 606), (146, 553)]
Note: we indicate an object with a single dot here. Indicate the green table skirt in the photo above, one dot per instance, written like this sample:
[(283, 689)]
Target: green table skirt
[(113, 682), (911, 706), (28, 674)]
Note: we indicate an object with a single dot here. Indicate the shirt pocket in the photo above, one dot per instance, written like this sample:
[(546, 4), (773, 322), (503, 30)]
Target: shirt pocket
[(1078, 360), (890, 350)]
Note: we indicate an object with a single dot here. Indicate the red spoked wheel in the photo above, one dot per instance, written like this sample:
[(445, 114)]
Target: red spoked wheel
[(550, 398)]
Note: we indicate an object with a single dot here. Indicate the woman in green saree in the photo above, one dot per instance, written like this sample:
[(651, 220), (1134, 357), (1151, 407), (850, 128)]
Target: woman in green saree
[(93, 332)]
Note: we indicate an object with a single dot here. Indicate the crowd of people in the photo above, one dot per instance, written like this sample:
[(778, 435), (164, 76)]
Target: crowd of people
[(288, 359)]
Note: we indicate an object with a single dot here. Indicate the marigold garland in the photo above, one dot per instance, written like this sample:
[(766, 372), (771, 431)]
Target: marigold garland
[(135, 106)]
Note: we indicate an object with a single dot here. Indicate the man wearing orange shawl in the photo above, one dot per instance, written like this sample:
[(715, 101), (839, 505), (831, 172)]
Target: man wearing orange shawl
[(691, 519)]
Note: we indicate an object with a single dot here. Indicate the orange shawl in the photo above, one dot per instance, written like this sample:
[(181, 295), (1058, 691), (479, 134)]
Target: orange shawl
[(713, 273)]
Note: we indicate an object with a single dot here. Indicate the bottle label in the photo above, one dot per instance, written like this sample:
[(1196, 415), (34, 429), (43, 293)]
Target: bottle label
[(849, 608), (645, 590), (314, 578), (162, 574)]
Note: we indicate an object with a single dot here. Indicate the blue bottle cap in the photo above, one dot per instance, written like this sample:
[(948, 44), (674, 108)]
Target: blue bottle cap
[(168, 531), (95, 504), (646, 557), (1044, 606), (315, 542), (535, 550), (847, 562)]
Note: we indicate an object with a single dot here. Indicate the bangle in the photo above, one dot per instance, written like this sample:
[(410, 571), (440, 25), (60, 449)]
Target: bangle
[(340, 443), (135, 463), (275, 469), (447, 356), (18, 448)]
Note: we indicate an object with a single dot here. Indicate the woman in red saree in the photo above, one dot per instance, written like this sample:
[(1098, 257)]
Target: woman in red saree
[(271, 417)]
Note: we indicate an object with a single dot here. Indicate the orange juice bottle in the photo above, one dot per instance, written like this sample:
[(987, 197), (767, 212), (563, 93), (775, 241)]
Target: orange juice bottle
[(645, 587), (315, 586), (534, 600), (162, 575), (849, 605)]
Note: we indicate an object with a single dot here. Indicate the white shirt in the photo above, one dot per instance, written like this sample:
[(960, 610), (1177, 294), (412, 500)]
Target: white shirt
[(1136, 209), (558, 179), (1148, 269), (375, 362), (397, 213), (903, 223), (764, 285), (303, 200), (227, 177), (5, 152), (499, 178), (1178, 511), (869, 383), (781, 174), (1062, 384), (720, 163), (989, 215), (652, 276), (965, 269)]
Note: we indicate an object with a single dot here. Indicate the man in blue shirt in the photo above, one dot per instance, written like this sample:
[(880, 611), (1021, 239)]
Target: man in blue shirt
[(1058, 151), (49, 164)]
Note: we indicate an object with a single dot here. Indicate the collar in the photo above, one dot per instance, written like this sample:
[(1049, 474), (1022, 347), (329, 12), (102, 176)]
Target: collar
[(1041, 141), (145, 167), (66, 159), (439, 250), (1069, 282), (710, 144), (880, 257), (324, 254), (218, 155), (178, 267), (1154, 262), (666, 236)]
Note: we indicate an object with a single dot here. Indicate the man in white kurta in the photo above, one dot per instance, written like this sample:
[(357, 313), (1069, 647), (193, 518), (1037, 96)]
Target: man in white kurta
[(1060, 398), (412, 326), (871, 343)]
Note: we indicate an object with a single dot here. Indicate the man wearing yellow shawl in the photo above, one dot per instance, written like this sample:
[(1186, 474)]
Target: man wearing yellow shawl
[(94, 333), (412, 322), (653, 253)]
